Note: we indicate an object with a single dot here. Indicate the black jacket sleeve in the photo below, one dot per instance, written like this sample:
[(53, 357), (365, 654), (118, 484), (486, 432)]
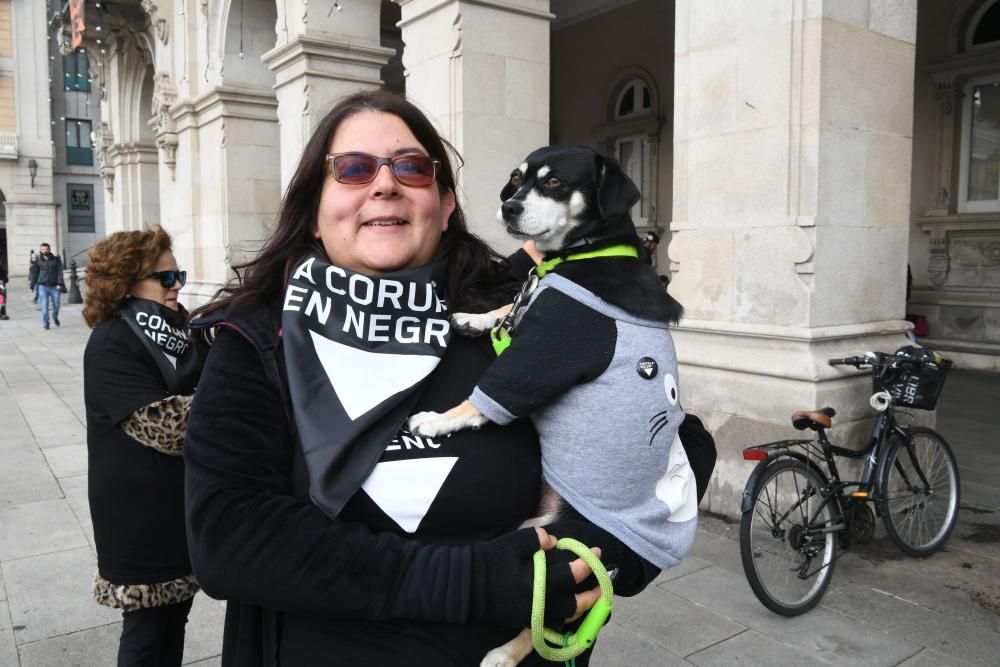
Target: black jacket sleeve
[(253, 542)]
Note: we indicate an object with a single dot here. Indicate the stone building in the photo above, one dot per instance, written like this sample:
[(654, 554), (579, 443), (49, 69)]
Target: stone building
[(48, 180), (796, 156), (28, 214)]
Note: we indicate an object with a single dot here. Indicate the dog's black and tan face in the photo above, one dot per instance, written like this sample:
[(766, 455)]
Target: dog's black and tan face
[(561, 194)]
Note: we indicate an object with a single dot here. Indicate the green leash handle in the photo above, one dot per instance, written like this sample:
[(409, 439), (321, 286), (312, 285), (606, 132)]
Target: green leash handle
[(550, 644)]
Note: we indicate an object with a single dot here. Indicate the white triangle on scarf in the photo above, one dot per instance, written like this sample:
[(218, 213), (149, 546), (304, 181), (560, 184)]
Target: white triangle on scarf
[(172, 359), (364, 379), (405, 490)]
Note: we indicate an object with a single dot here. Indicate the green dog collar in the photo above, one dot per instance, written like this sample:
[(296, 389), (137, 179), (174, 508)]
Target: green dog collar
[(611, 251)]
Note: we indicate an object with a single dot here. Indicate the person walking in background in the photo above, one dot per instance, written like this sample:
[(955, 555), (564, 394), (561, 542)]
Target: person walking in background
[(46, 276), (32, 260), (3, 289), (139, 372)]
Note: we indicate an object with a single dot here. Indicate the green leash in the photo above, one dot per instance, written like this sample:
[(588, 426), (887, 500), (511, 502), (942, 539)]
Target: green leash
[(550, 644)]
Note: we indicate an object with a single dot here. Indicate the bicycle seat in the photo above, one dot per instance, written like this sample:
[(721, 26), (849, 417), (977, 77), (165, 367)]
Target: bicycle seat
[(814, 419)]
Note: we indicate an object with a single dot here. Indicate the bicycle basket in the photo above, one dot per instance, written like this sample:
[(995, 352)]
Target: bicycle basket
[(914, 377)]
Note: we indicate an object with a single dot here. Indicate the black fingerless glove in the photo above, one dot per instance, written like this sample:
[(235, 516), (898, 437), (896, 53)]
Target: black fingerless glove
[(634, 572), (503, 576)]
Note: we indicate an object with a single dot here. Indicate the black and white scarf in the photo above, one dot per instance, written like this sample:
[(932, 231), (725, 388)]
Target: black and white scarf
[(163, 332), (357, 351)]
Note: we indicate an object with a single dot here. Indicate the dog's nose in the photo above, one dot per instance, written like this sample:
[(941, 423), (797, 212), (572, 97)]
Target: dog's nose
[(510, 210)]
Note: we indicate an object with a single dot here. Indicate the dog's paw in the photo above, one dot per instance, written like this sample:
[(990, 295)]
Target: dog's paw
[(498, 657), (428, 424), (473, 324)]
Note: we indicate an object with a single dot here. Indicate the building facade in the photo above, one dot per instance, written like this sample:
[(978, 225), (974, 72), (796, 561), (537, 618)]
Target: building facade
[(795, 155), (28, 213), (76, 184), (50, 191)]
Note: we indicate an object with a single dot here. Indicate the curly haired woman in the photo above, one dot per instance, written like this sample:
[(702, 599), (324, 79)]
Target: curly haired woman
[(140, 371)]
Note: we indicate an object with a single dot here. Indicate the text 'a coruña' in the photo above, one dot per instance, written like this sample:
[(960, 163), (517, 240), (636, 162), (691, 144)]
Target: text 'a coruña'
[(355, 295)]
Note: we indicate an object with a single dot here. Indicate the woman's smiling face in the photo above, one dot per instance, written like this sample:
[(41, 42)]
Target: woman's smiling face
[(382, 226)]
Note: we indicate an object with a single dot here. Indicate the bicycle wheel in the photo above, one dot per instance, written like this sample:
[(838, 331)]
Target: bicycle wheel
[(787, 558), (919, 492)]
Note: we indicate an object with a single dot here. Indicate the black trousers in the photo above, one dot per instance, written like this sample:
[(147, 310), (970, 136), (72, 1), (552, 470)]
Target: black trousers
[(154, 637)]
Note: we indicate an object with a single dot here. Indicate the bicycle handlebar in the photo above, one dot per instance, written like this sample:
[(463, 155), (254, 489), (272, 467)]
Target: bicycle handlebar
[(857, 362), (867, 360)]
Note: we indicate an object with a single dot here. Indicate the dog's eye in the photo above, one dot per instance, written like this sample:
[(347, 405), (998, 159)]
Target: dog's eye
[(515, 179), (553, 182)]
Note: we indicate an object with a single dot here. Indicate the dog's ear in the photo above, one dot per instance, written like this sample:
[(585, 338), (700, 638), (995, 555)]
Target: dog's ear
[(616, 193)]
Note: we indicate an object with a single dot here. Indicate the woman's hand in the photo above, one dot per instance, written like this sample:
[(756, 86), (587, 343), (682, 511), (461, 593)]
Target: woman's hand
[(503, 575), (634, 572), (580, 570)]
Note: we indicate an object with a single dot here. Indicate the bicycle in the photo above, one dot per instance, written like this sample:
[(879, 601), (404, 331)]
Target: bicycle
[(795, 515)]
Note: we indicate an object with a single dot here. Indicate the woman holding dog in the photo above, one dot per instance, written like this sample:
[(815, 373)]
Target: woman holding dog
[(335, 534), (139, 371)]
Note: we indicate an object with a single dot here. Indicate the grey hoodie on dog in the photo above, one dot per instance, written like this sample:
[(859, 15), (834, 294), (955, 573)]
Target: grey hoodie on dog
[(602, 386)]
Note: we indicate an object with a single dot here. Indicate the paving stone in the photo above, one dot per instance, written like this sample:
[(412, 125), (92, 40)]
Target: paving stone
[(75, 490), (8, 646), (3, 589), (25, 477), (722, 551), (49, 595), (57, 372), (752, 648), (906, 619), (19, 374), (929, 658), (688, 565), (38, 528), (86, 648), (211, 662), (203, 636), (67, 433), (672, 622), (942, 582), (824, 634), (618, 646), (67, 461)]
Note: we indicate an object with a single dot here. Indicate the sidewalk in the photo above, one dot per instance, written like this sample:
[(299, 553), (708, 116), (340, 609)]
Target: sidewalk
[(881, 609)]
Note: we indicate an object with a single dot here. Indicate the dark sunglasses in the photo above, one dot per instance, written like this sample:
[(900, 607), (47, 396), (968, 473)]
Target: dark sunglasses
[(414, 170), (170, 278)]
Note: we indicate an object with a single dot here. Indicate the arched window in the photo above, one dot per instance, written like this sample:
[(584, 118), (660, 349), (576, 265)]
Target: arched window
[(633, 100), (985, 25)]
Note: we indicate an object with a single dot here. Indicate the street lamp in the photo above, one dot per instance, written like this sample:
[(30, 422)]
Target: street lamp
[(33, 171)]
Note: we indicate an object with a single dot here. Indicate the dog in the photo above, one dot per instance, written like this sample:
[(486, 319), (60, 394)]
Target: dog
[(591, 359)]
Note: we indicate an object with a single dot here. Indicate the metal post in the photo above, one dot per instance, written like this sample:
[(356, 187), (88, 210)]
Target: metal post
[(74, 284)]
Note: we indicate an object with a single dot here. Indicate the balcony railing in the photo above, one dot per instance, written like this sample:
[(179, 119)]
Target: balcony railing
[(8, 145)]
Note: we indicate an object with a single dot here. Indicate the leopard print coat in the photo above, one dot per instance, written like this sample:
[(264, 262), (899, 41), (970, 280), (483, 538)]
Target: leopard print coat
[(131, 597), (161, 424)]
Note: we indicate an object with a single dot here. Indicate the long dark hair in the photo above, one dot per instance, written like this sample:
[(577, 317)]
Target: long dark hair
[(478, 278)]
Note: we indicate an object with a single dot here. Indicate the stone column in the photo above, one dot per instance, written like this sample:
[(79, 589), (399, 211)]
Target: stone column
[(480, 69), (319, 57), (792, 150), (227, 196)]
